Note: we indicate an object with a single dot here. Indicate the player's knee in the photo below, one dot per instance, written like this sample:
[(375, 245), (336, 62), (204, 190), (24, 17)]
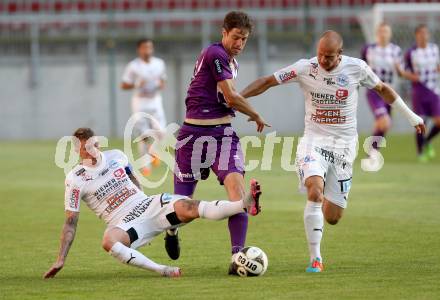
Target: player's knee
[(384, 124), (107, 243), (314, 194), (187, 210), (234, 185)]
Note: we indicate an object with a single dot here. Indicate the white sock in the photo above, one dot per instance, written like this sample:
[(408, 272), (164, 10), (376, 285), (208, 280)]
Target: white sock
[(135, 258), (314, 226), (221, 209)]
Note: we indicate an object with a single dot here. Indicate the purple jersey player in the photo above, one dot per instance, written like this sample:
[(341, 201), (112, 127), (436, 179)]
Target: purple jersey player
[(422, 63), (206, 141), (383, 57)]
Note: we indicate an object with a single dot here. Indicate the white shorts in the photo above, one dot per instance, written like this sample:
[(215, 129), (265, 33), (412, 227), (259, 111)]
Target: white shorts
[(150, 217), (331, 165), (152, 107)]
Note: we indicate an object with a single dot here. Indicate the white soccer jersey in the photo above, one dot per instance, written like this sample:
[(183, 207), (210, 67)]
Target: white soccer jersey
[(424, 62), (383, 60), (106, 189), (330, 97), (151, 73)]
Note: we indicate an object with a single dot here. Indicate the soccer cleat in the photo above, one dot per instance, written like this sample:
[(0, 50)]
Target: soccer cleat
[(172, 244), (423, 158), (252, 198), (171, 272), (429, 151), (315, 266)]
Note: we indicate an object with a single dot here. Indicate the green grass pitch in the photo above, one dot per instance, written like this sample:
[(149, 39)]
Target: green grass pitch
[(387, 245)]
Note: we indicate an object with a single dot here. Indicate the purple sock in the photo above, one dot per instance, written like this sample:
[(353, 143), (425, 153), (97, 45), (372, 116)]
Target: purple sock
[(237, 229), (420, 141), (378, 133), (432, 133)]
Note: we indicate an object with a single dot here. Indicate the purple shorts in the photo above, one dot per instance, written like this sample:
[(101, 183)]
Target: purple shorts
[(377, 105), (200, 149), (425, 101)]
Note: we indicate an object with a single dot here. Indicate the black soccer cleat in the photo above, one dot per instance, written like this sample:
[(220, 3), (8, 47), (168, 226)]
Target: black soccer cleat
[(172, 245)]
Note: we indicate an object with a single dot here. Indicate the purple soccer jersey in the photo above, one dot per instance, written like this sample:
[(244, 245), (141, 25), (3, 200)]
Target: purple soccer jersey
[(382, 61), (204, 100), (425, 93)]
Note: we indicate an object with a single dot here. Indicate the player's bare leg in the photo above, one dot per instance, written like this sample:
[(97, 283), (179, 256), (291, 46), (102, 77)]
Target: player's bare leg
[(332, 212), (117, 242)]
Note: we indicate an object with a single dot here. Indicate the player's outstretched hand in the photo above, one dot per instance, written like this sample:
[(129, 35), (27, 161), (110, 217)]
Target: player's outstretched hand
[(420, 128), (260, 123), (56, 267)]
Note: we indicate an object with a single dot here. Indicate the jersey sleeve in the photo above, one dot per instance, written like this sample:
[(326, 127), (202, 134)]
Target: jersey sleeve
[(129, 76), (290, 73), (218, 62), (72, 195), (367, 77)]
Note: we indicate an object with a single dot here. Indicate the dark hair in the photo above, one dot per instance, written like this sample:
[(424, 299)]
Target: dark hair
[(237, 19), (144, 40), (83, 133), (420, 27)]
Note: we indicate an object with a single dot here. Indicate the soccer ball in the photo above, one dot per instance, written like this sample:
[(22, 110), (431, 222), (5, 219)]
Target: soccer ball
[(250, 261)]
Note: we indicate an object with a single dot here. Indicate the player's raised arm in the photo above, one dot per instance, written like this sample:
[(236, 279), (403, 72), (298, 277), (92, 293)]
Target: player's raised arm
[(238, 102), (391, 97), (285, 75), (259, 86), (66, 240)]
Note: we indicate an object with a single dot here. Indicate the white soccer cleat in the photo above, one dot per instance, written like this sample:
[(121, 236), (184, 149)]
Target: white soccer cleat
[(171, 272)]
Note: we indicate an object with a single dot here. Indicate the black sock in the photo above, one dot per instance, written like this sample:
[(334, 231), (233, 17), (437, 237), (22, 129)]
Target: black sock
[(420, 141), (434, 131), (377, 133)]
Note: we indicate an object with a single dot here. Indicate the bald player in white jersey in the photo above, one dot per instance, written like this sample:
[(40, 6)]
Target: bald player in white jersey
[(146, 75), (326, 153), (105, 182)]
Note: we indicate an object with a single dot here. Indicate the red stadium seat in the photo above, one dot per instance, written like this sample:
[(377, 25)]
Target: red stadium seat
[(195, 4), (103, 5), (126, 5), (58, 6), (81, 6), (12, 7), (35, 6)]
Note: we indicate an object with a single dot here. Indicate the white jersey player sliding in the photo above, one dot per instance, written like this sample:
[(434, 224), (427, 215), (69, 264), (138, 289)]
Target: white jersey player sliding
[(104, 181), (325, 154)]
